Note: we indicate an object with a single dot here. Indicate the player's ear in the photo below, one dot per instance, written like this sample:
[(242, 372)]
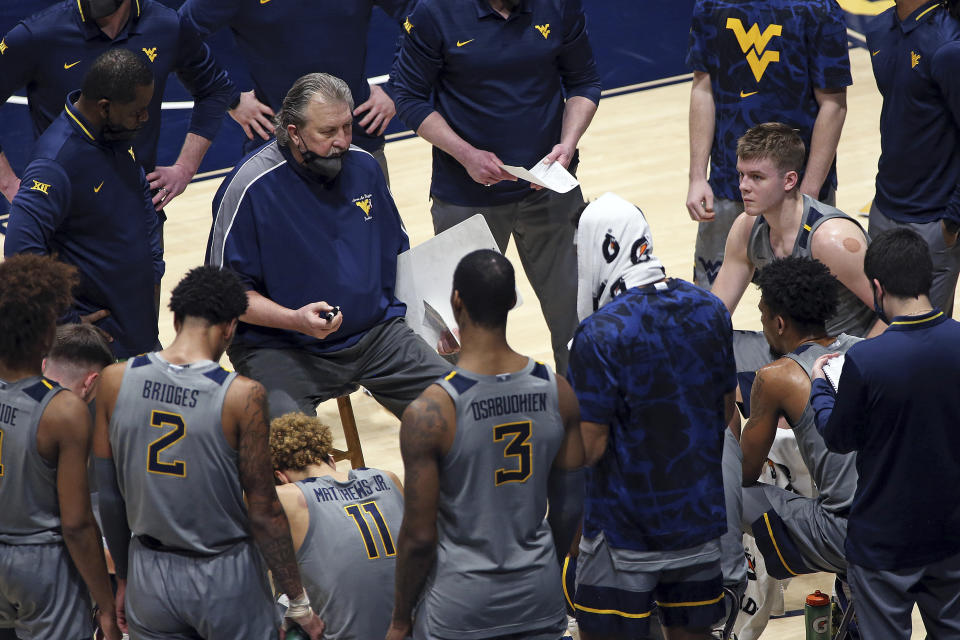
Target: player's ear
[(781, 326), (281, 477), (790, 180)]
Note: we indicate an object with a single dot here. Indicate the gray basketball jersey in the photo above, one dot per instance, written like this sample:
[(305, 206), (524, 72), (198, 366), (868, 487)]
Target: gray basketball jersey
[(852, 317), (834, 474), (496, 571), (28, 483), (348, 557), (177, 474)]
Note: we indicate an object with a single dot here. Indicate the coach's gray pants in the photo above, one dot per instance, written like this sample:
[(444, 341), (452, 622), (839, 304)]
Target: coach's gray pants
[(883, 600), (390, 360), (946, 260), (543, 228)]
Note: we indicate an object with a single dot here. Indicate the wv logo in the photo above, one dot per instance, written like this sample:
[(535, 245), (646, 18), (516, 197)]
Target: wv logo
[(544, 30), (42, 187), (365, 205), (3, 46), (151, 53), (753, 43), (914, 59), (407, 25)]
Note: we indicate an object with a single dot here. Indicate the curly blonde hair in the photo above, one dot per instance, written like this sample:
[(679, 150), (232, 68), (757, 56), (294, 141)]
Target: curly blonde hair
[(297, 440)]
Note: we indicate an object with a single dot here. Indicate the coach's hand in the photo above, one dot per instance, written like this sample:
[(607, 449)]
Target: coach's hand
[(253, 116), (313, 626), (561, 153), (379, 109), (310, 320), (9, 190), (93, 318), (399, 631), (484, 167), (168, 183), (819, 364), (700, 201)]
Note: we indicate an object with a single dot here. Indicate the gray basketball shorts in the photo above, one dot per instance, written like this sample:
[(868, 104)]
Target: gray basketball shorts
[(221, 597), (41, 593), (617, 599)]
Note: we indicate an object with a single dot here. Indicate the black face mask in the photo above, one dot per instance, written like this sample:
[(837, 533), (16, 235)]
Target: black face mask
[(114, 134), (325, 169), (96, 9), (878, 308)]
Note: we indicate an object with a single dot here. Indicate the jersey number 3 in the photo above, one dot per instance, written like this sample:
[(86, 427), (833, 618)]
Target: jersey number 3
[(176, 468), (518, 448)]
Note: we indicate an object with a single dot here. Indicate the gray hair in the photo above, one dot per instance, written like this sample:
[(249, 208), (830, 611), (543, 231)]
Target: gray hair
[(313, 86)]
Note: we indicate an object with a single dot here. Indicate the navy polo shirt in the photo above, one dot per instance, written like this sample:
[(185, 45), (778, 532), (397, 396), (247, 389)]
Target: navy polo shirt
[(897, 408), (87, 202), (917, 65), (50, 52), (499, 83), (296, 240), (284, 40)]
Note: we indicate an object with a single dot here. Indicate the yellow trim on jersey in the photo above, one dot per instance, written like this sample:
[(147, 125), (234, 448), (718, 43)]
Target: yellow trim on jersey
[(450, 375), (563, 575), (766, 520), (46, 384), (613, 612), (701, 603), (920, 321), (75, 119), (928, 10), (138, 8), (808, 227), (80, 7)]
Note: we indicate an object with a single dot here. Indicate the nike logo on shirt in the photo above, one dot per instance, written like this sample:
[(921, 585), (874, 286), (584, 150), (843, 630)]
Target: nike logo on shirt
[(72, 64), (460, 44)]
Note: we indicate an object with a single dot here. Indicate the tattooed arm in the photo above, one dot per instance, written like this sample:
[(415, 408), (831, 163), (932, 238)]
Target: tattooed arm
[(426, 432), (245, 409), (758, 434)]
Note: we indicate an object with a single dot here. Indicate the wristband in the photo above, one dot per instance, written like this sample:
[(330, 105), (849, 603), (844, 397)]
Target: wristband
[(299, 608)]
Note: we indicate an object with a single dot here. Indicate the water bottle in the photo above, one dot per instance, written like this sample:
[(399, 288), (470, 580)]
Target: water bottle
[(816, 615)]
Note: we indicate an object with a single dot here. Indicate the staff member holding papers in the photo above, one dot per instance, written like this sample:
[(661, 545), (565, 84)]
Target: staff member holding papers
[(498, 71)]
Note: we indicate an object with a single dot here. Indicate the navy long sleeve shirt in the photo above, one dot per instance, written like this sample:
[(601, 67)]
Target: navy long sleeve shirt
[(898, 408), (295, 240), (281, 41), (499, 83), (917, 66), (87, 202), (50, 52)]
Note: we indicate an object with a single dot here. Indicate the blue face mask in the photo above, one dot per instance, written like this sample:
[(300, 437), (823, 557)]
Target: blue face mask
[(878, 308)]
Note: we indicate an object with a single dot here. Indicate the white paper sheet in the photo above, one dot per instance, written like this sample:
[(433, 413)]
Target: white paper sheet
[(550, 176), (425, 276)]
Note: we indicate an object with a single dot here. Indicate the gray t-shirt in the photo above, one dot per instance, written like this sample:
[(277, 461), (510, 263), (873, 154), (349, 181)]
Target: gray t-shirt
[(348, 557), (28, 483), (496, 572), (852, 317), (177, 473)]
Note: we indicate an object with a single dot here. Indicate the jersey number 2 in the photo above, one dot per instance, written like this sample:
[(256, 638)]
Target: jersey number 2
[(176, 468), (518, 448), (386, 539)]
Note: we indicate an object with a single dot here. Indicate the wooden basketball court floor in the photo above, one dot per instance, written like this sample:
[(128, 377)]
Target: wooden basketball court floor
[(636, 147)]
